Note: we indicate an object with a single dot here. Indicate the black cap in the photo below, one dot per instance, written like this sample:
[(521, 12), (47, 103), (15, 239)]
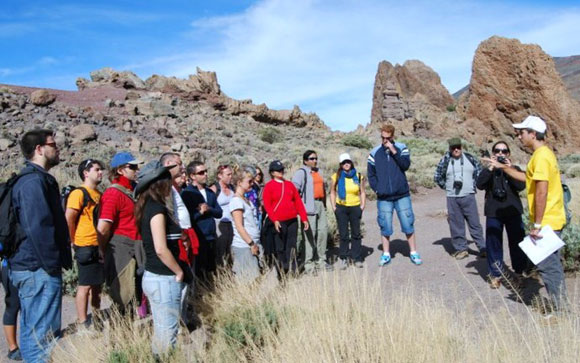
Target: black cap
[(276, 165)]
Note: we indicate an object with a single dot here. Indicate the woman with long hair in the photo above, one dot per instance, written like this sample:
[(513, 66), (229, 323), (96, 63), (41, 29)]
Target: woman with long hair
[(224, 191), (165, 274), (246, 241), (283, 205), (348, 198)]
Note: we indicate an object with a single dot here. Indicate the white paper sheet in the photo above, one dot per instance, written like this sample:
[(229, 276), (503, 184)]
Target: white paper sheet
[(542, 248)]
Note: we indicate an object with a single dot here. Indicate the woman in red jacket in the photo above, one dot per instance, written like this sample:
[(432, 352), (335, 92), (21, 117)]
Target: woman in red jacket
[(283, 205)]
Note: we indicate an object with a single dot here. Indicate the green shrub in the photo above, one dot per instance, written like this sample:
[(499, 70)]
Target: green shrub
[(270, 135), (451, 108), (70, 280), (571, 250), (357, 141), (247, 324)]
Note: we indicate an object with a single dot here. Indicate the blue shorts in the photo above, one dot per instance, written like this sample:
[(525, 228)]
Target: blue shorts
[(404, 213)]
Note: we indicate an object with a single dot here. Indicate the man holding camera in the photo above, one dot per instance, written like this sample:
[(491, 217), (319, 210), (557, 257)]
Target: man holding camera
[(457, 173)]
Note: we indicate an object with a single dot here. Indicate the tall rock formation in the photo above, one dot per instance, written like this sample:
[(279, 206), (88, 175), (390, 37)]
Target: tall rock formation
[(511, 80), (412, 92)]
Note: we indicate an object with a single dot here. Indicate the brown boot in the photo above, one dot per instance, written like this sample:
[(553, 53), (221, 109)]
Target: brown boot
[(494, 282)]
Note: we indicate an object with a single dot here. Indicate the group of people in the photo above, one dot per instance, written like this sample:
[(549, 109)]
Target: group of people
[(159, 228), (460, 173)]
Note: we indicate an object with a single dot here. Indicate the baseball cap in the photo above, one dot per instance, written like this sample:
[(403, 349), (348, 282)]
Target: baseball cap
[(455, 141), (532, 122), (122, 158), (344, 157), (276, 165)]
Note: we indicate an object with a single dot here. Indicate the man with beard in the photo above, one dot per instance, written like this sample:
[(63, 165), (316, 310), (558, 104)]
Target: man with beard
[(36, 267)]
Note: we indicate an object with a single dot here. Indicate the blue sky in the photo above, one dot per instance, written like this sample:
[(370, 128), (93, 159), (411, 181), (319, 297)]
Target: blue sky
[(319, 54)]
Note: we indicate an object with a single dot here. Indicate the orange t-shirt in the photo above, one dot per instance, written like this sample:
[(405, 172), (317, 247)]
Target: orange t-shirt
[(318, 185), (85, 234)]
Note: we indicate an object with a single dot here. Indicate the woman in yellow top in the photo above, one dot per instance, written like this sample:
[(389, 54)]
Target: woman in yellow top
[(348, 197)]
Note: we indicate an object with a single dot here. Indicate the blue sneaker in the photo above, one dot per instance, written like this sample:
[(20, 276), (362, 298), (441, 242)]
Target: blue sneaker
[(385, 260), (415, 258)]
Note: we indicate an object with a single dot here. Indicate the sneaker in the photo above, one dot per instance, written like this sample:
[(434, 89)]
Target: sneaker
[(358, 264), (14, 355), (343, 264), (460, 255), (416, 258), (385, 260), (494, 282)]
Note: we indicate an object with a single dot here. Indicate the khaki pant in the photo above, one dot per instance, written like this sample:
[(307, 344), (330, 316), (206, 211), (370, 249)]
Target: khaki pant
[(312, 243)]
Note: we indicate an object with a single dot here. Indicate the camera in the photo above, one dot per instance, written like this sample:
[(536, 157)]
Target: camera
[(457, 184), (499, 194), (502, 159)]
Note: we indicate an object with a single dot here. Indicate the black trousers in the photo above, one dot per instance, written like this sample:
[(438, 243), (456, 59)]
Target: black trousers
[(280, 247), (349, 217), (10, 299)]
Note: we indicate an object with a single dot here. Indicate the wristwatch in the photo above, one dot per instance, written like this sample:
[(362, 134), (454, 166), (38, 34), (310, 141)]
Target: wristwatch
[(251, 243), (537, 226)]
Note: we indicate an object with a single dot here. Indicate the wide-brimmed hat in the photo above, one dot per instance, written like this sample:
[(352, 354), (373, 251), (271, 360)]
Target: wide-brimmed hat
[(122, 158), (533, 123), (276, 165), (151, 173)]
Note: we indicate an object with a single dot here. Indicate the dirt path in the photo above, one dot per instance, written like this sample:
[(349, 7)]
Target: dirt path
[(459, 284)]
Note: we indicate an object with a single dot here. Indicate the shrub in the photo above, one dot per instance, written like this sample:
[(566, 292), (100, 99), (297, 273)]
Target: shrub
[(246, 324), (270, 135), (451, 108), (70, 280), (357, 141), (571, 250)]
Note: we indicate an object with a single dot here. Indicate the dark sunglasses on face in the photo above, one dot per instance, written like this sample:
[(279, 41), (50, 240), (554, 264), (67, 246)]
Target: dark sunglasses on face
[(503, 151), (201, 172), (51, 144), (346, 162), (133, 166), (455, 148), (312, 158)]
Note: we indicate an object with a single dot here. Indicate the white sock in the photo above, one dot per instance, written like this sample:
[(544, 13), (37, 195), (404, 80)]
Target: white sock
[(413, 252), (386, 254)]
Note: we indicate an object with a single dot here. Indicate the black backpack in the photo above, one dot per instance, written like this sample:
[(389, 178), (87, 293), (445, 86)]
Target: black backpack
[(11, 234), (65, 193)]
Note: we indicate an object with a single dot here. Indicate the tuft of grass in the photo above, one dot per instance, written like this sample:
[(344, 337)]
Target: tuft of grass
[(269, 135), (357, 141)]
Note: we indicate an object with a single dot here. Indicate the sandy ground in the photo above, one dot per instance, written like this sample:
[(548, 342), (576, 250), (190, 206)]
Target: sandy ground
[(459, 284)]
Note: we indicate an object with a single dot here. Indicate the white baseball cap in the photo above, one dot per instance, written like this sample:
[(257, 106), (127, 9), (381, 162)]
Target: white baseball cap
[(344, 157), (532, 122)]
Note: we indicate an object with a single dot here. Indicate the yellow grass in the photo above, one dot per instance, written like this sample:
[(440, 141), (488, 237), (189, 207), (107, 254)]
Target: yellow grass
[(349, 316)]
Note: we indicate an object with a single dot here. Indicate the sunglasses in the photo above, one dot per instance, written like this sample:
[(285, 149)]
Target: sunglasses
[(51, 144), (390, 138), (201, 172), (346, 162), (503, 151), (455, 148), (312, 158), (133, 166)]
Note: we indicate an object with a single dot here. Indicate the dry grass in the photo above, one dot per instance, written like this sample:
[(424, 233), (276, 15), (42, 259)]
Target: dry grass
[(348, 316)]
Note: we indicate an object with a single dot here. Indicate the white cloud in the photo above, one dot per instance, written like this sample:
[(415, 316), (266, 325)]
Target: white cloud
[(323, 54)]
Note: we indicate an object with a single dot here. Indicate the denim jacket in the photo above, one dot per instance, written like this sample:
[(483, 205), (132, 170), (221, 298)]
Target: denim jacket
[(36, 199)]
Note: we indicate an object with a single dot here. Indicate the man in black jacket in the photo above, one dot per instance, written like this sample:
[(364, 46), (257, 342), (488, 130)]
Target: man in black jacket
[(36, 267), (503, 208), (203, 207)]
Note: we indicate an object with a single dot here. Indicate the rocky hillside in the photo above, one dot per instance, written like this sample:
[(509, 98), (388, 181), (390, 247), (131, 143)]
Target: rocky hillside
[(569, 69), (509, 81), (118, 111)]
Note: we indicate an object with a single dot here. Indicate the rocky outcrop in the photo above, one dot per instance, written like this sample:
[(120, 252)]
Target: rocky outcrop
[(401, 92), (511, 80), (569, 69), (159, 95), (42, 97)]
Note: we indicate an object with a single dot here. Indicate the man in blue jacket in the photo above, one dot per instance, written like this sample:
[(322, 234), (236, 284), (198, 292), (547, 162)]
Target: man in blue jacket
[(36, 267), (203, 207), (386, 167)]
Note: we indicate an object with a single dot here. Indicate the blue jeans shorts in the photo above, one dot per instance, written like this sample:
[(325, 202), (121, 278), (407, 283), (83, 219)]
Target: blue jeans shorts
[(404, 211)]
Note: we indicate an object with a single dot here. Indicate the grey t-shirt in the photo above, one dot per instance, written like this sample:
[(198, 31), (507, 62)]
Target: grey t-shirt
[(250, 225), (460, 170)]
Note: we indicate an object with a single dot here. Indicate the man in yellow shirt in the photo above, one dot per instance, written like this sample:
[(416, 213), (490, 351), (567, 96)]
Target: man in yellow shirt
[(80, 205), (545, 199)]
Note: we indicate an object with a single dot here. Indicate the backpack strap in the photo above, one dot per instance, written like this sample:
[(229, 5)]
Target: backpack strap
[(123, 190), (86, 198)]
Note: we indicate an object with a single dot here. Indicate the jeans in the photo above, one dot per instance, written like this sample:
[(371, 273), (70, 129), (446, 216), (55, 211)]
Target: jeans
[(312, 243), (459, 210), (404, 210), (40, 304), (345, 217), (164, 295), (494, 244)]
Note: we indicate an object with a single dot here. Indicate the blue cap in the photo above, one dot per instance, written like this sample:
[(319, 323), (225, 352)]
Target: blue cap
[(122, 158)]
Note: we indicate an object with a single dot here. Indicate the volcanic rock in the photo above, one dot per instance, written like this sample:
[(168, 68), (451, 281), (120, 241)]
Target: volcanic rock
[(42, 97), (82, 133), (510, 81)]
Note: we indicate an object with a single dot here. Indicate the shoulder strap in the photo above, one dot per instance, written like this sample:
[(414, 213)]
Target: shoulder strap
[(303, 191), (123, 190), (86, 197)]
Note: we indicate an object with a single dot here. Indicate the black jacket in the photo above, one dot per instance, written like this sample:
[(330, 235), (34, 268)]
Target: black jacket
[(494, 182), (204, 225), (36, 197)]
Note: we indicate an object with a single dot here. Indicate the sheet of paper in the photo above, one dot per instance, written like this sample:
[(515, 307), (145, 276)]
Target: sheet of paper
[(542, 248)]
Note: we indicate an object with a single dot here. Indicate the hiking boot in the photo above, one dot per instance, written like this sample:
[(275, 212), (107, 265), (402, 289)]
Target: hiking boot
[(14, 355), (358, 264), (416, 258), (482, 253), (460, 255), (494, 282), (343, 264), (385, 260)]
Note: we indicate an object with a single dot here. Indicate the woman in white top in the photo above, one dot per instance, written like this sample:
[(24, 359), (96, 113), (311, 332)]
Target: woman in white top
[(225, 192), (246, 241)]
